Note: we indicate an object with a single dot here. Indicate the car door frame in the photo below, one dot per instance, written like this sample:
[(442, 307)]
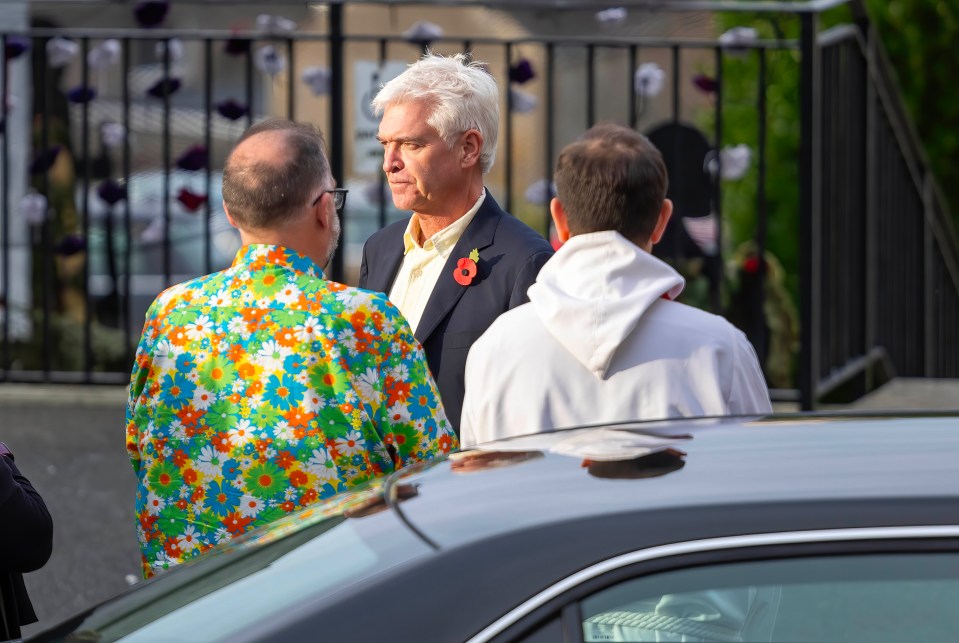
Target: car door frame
[(561, 599)]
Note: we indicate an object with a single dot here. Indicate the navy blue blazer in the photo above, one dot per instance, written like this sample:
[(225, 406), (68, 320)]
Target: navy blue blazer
[(511, 254)]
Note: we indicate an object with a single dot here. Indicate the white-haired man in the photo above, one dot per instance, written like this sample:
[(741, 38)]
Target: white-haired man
[(459, 261)]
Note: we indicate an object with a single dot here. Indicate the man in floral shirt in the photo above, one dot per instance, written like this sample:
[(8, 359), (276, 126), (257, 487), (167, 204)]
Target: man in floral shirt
[(264, 388)]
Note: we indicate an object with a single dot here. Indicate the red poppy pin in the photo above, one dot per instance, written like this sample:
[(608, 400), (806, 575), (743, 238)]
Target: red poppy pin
[(466, 268)]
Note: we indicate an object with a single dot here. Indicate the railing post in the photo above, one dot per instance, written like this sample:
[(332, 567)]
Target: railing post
[(5, 358), (872, 201), (928, 279), (335, 132), (810, 124), (759, 307), (550, 127)]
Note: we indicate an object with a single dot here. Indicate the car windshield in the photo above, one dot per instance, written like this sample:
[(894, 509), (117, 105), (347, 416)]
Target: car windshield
[(308, 555)]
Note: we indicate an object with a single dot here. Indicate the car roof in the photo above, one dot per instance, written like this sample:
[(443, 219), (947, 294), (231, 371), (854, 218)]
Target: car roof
[(776, 460), (502, 533)]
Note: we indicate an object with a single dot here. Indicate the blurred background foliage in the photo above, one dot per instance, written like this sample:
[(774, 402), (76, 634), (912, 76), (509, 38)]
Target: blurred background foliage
[(920, 38)]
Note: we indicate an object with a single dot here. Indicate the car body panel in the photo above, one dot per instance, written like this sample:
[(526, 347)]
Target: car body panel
[(728, 462)]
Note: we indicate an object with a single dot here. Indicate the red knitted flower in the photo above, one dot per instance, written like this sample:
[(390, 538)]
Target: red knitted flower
[(466, 268)]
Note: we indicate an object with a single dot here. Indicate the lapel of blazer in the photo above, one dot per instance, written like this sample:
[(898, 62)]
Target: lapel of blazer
[(387, 264), (478, 234)]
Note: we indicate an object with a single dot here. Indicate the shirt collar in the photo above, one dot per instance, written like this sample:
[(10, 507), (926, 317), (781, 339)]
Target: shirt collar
[(444, 240), (259, 255)]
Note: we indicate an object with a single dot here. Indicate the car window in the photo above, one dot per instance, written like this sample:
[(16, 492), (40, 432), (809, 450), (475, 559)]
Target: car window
[(879, 598)]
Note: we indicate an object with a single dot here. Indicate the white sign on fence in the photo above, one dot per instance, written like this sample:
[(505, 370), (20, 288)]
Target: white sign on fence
[(368, 77)]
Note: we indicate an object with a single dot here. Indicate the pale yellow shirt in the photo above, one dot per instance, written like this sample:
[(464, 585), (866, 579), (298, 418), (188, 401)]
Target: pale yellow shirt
[(423, 266)]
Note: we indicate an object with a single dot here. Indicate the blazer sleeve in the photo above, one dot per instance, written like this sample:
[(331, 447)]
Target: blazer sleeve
[(526, 277), (364, 268), (26, 529)]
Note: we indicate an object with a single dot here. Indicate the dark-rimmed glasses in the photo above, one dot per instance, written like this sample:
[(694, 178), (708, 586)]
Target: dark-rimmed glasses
[(339, 198)]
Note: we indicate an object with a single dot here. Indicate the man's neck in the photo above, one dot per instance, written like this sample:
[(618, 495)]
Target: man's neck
[(430, 224), (301, 244)]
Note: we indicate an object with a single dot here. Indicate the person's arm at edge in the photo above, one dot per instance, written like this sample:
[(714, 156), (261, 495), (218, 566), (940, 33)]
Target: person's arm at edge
[(142, 362), (27, 539)]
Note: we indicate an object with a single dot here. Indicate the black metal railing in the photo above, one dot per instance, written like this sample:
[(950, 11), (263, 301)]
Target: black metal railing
[(885, 282), (877, 269)]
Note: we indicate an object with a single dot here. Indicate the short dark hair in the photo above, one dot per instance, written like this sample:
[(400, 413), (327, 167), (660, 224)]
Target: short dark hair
[(263, 195), (612, 178)]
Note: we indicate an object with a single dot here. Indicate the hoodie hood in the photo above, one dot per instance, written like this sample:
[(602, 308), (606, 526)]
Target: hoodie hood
[(593, 292)]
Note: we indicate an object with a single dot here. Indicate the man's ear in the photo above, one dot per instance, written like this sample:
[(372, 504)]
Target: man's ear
[(228, 217), (664, 215), (322, 210), (559, 220), (471, 145)]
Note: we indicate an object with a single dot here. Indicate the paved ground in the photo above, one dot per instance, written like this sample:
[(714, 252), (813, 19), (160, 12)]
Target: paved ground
[(69, 442), (912, 393)]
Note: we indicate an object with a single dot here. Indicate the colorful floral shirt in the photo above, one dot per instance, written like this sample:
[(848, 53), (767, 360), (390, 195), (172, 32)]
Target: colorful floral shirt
[(264, 388)]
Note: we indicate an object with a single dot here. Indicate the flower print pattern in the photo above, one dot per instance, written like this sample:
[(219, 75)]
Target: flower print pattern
[(265, 388)]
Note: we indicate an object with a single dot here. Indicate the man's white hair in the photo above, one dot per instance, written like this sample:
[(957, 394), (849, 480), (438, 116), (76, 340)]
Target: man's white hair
[(463, 96)]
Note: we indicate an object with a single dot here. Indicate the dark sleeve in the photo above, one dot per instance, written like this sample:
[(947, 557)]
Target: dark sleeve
[(26, 529), (526, 277), (364, 270)]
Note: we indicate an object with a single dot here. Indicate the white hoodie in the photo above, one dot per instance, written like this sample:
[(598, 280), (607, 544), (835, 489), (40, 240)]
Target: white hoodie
[(601, 341)]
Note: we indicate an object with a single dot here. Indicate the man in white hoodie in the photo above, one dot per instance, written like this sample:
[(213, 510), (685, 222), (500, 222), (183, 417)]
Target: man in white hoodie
[(601, 339)]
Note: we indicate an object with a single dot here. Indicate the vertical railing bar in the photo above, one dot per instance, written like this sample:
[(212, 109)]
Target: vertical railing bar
[(809, 123), (336, 116), (929, 353), (590, 85), (715, 282), (127, 214), (633, 118), (5, 209), (843, 109), (675, 149), (761, 206), (46, 259), (827, 158), (508, 132), (166, 145), (873, 186), (675, 70), (248, 81), (550, 124), (291, 80), (85, 148), (381, 195), (856, 151), (208, 144)]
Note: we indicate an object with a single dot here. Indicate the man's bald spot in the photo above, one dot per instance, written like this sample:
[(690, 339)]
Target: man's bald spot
[(269, 147)]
